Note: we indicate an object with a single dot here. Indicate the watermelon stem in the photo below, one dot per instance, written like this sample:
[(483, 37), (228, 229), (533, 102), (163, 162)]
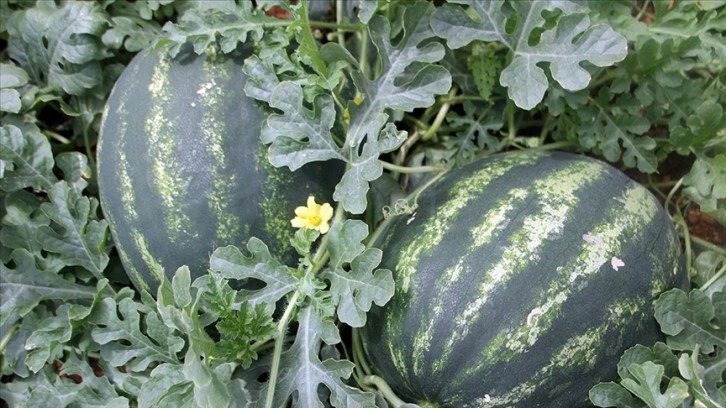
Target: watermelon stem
[(410, 170), (279, 340), (714, 278), (440, 116), (385, 389), (372, 238)]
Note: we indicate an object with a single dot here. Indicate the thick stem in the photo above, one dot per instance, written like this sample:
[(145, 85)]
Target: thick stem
[(279, 340), (440, 116), (384, 389), (409, 170), (715, 277)]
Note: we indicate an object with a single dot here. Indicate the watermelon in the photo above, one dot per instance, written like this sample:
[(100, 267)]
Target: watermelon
[(520, 281), (181, 170)]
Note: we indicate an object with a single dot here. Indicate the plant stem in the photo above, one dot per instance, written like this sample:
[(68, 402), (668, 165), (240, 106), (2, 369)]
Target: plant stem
[(511, 126), (714, 278), (384, 389), (339, 6), (358, 355), (707, 245), (6, 338), (409, 170), (279, 340), (372, 238), (440, 116)]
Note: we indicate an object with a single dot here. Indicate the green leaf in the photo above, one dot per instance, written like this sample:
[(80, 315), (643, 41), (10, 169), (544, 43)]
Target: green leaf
[(302, 372), (365, 167), (119, 330), (659, 353), (59, 47), (617, 132), (474, 132), (214, 387), (240, 330), (24, 287), (20, 225), (703, 128), (709, 272), (645, 384), (74, 235), (225, 23), (355, 290), (93, 390), (298, 135), (75, 168), (47, 342), (702, 389), (131, 26), (408, 78), (691, 321), (610, 394), (707, 184), (48, 389), (573, 40), (231, 263), (345, 242), (173, 385), (11, 77), (25, 160)]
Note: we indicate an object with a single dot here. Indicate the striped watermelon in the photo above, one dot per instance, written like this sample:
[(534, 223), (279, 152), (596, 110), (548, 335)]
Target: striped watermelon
[(520, 281), (181, 170)]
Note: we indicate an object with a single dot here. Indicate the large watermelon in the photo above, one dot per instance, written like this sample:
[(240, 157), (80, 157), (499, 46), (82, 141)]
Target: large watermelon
[(182, 170), (520, 280)]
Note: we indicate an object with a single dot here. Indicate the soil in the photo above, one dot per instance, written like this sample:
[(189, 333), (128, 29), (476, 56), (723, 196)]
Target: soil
[(699, 223)]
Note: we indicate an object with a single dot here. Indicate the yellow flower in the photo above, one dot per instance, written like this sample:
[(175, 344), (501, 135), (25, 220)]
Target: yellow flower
[(313, 216)]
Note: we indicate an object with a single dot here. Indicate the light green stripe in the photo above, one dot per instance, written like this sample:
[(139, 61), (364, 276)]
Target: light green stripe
[(579, 353), (494, 222), (156, 269), (166, 173), (128, 198), (633, 209), (219, 198), (462, 193), (557, 196), (624, 223)]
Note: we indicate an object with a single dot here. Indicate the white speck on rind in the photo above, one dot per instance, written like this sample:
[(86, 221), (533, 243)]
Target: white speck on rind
[(593, 239), (535, 312), (487, 398), (616, 262)]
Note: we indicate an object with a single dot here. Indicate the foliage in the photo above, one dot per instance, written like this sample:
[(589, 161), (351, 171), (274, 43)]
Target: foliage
[(397, 90)]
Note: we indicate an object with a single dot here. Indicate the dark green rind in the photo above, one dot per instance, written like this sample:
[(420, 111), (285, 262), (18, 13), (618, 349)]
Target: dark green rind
[(545, 333), (182, 171)]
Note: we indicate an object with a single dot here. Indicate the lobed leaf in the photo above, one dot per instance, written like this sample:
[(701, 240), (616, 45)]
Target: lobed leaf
[(302, 373), (48, 389), (232, 264), (574, 40), (706, 183), (691, 320), (26, 286), (355, 291), (702, 385), (408, 78), (25, 160), (298, 135), (59, 46), (225, 23), (74, 235), (119, 330), (644, 382)]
